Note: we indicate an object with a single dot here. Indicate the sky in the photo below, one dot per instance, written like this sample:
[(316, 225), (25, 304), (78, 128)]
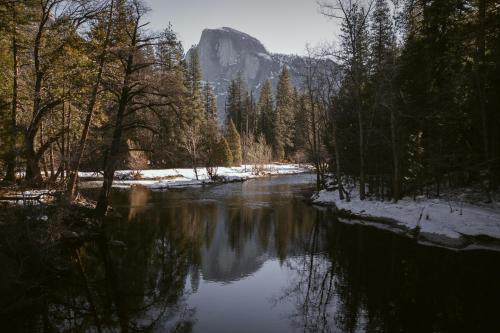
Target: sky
[(283, 26)]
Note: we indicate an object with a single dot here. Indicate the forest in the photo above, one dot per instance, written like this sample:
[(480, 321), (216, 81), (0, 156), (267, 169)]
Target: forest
[(404, 104), (355, 189)]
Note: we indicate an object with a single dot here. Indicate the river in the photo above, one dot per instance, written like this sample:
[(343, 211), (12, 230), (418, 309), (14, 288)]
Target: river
[(257, 257)]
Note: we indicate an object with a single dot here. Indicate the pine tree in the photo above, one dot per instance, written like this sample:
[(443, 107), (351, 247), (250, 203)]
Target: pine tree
[(354, 58), (265, 112), (169, 49), (209, 101), (251, 117), (224, 155), (382, 62), (300, 123), (235, 103), (283, 120), (234, 142), (194, 81), (382, 39)]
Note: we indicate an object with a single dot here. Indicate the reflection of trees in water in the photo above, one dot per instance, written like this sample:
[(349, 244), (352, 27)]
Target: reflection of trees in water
[(342, 278), (138, 199), (281, 225), (312, 284), (132, 277), (143, 285), (366, 280)]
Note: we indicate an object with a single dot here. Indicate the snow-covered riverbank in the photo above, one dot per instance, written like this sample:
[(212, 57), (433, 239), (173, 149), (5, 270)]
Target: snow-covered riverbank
[(448, 223), (169, 178)]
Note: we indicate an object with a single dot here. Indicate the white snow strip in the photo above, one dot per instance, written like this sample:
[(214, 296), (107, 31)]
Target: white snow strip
[(166, 178), (264, 55), (451, 219)]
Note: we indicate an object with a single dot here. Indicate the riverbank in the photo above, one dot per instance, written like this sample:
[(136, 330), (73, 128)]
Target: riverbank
[(449, 223), (177, 178)]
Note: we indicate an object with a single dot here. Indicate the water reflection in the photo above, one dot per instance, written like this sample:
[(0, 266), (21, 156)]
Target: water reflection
[(256, 257), (367, 280)]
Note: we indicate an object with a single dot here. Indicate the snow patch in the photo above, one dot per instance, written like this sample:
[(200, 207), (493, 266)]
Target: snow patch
[(168, 178), (265, 56), (446, 218)]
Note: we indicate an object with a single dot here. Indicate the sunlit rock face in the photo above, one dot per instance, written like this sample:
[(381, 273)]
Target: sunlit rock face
[(225, 53)]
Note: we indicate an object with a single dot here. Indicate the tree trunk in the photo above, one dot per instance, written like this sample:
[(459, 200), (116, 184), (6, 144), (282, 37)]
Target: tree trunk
[(112, 156), (10, 175), (337, 160), (359, 110), (76, 161), (33, 173), (63, 140), (480, 86), (361, 156), (51, 160), (44, 164), (396, 186), (315, 146)]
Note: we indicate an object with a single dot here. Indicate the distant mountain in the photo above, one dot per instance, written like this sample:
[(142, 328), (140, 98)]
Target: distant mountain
[(226, 52)]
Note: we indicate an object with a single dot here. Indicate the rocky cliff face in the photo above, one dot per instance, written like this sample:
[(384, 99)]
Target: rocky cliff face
[(225, 52)]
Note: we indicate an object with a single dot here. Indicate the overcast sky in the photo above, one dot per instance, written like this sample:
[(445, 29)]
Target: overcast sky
[(283, 26)]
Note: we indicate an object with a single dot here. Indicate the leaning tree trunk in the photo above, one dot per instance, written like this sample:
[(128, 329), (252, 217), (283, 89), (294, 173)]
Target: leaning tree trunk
[(33, 172), (77, 159), (113, 154)]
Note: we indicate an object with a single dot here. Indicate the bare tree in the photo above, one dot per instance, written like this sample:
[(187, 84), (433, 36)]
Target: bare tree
[(130, 91), (191, 143), (50, 12), (329, 83), (314, 113), (354, 16)]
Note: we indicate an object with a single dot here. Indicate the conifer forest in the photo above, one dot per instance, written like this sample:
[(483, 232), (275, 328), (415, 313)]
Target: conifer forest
[(141, 178)]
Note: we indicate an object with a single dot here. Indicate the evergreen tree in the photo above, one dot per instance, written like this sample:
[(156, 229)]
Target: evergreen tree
[(300, 123), (383, 142), (265, 112), (209, 101), (235, 102), (283, 120), (223, 155), (194, 81), (382, 40), (251, 116), (354, 60), (234, 142), (169, 49)]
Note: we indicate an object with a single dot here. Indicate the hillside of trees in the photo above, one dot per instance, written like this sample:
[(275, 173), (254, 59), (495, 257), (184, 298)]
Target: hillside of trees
[(85, 86), (406, 103)]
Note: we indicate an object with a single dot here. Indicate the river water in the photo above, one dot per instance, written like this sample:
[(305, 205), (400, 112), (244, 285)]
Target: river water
[(257, 257)]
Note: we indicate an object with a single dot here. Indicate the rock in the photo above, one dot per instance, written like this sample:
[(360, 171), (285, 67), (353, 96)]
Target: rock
[(226, 52)]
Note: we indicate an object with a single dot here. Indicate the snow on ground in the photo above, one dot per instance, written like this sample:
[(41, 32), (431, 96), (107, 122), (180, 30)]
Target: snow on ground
[(166, 178), (27, 197), (434, 216)]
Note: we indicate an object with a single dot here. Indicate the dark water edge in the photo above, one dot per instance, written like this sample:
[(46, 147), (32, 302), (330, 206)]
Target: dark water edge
[(247, 257)]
